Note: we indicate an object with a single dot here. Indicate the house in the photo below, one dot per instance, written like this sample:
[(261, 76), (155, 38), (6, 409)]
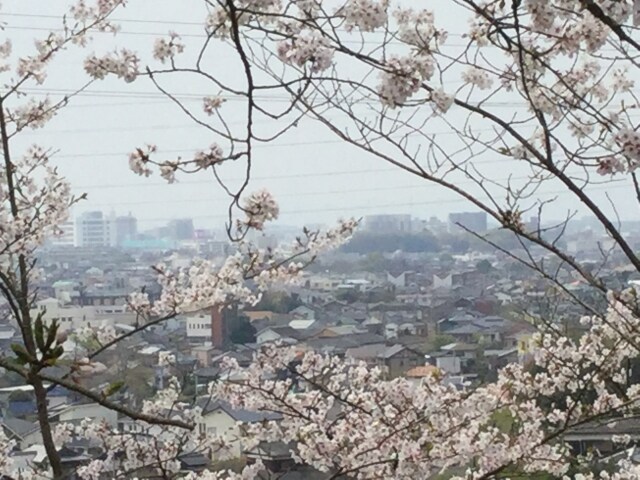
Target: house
[(220, 419), (420, 373), (304, 312), (338, 345), (258, 315), (303, 324), (401, 280), (395, 359), (204, 354), (598, 435), (338, 331), (467, 353), (23, 432), (199, 327), (274, 334), (501, 358), (78, 412), (444, 282)]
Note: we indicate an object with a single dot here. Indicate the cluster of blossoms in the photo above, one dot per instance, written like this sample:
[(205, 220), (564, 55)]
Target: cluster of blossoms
[(259, 207), (122, 63), (308, 47), (442, 100), (139, 302), (164, 49), (403, 78), (610, 166), (42, 206), (417, 28), (365, 15), (140, 162), (477, 77), (629, 142), (103, 334), (32, 114)]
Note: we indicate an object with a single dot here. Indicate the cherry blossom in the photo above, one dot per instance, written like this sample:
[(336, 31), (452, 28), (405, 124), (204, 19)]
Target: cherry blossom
[(260, 207), (366, 15), (164, 49), (211, 104), (307, 48), (123, 64)]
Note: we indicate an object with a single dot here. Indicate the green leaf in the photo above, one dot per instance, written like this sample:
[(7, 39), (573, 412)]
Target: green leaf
[(22, 355), (38, 331), (52, 334), (57, 352)]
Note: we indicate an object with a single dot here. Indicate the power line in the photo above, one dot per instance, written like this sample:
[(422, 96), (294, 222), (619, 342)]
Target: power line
[(329, 192), (266, 178)]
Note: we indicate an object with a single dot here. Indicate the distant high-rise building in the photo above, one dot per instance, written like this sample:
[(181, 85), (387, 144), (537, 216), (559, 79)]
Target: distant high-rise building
[(126, 228), (93, 229), (182, 229), (67, 237), (474, 221), (388, 223)]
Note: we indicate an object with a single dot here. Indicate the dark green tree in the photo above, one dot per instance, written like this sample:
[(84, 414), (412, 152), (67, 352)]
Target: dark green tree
[(242, 332)]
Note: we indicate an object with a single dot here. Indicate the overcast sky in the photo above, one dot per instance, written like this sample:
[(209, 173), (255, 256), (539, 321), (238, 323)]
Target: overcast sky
[(314, 176)]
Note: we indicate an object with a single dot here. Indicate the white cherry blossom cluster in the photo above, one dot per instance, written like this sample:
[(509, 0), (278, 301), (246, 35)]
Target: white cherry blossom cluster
[(32, 114), (5, 53), (42, 206), (259, 207), (610, 166), (141, 161), (103, 334), (629, 142), (320, 241), (307, 48), (477, 77), (123, 63), (364, 15), (442, 101), (417, 28), (403, 78), (167, 49)]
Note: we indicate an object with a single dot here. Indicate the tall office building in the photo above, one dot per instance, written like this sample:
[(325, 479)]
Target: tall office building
[(181, 229), (126, 228), (93, 229)]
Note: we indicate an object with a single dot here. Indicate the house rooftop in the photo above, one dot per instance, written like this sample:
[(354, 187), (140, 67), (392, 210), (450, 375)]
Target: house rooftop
[(422, 371), (209, 405)]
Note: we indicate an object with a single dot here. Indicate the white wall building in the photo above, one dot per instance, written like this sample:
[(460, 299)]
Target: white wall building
[(93, 229), (72, 317), (199, 327)]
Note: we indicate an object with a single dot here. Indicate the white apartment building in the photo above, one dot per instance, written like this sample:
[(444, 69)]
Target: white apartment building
[(93, 229), (199, 327)]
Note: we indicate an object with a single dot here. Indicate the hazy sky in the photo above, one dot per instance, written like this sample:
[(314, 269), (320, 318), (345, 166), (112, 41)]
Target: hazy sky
[(315, 177)]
